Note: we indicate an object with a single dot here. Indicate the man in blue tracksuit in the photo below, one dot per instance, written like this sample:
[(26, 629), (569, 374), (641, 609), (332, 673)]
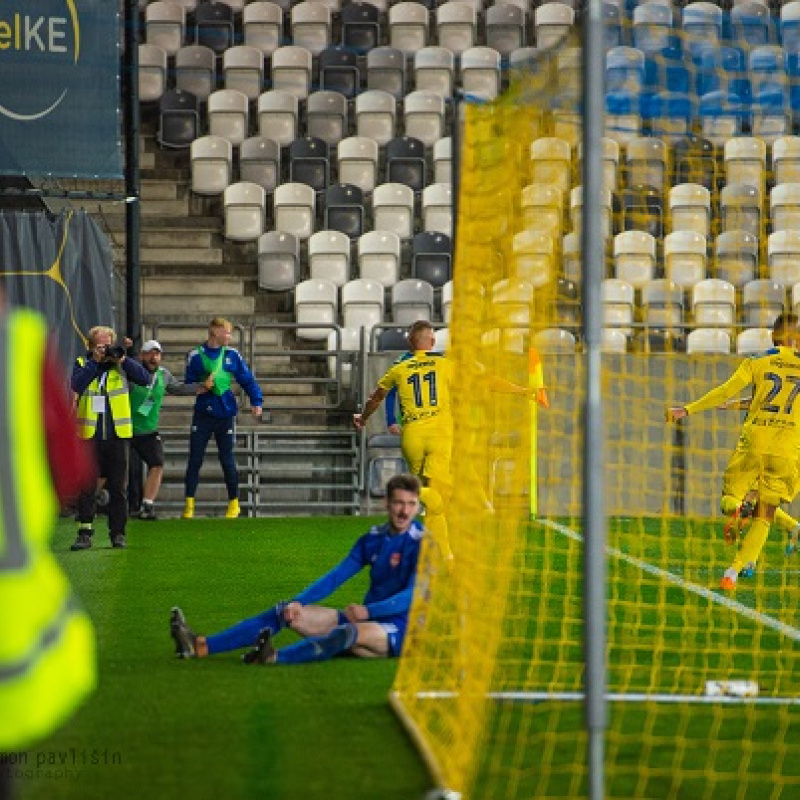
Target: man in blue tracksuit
[(215, 411)]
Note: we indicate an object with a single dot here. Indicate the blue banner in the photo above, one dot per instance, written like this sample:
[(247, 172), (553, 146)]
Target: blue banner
[(60, 88)]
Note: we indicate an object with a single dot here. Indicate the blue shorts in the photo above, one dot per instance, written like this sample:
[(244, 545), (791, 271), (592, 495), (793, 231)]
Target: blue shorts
[(395, 628)]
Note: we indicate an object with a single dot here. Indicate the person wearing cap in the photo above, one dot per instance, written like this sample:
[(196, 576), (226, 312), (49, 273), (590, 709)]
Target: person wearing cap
[(215, 412), (145, 411)]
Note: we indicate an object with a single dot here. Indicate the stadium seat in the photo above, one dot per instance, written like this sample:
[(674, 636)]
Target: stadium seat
[(762, 302), (643, 210), (245, 211), (746, 161), (326, 116), (408, 27), (229, 115), (178, 119), (277, 116), (512, 302), (784, 203), (357, 157), (786, 159), (213, 26), (405, 163), (672, 116), (505, 28), (795, 298), (625, 69), (771, 117), (740, 208), (685, 258), (552, 23), (385, 459), (362, 304), (211, 158), (750, 25), (434, 70), (315, 303), (646, 162), (652, 28), (659, 340), (278, 261), (386, 71), (702, 27), (722, 70), (456, 26), (441, 340), (555, 341), (542, 208), (260, 162), (662, 304), (262, 25), (721, 114), (375, 113), (736, 257), (694, 161), (617, 299), (243, 70), (576, 211), (783, 255), (393, 209), (196, 71), (443, 160), (611, 169), (412, 299), (361, 30), (790, 26), (551, 163), (437, 208), (571, 260), (431, 258), (152, 73), (165, 26), (634, 257), (708, 341), (329, 257), (389, 339), (338, 71), (344, 210), (447, 301), (379, 257), (480, 72), (309, 163), (714, 303), (291, 70), (310, 25), (568, 117), (423, 114), (623, 116), (753, 341), (534, 258), (614, 340), (295, 209), (343, 341), (690, 208)]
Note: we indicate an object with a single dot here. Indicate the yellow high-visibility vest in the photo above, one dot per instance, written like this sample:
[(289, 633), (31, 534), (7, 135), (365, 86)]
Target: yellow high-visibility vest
[(47, 645), (119, 403)]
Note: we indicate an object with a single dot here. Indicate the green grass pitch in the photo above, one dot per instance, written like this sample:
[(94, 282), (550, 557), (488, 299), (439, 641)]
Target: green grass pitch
[(216, 728), (165, 728)]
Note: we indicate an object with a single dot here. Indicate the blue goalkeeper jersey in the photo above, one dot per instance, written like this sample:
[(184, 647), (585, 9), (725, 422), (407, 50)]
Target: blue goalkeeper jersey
[(392, 558)]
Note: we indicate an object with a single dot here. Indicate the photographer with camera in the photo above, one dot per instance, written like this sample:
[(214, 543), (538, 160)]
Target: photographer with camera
[(101, 379)]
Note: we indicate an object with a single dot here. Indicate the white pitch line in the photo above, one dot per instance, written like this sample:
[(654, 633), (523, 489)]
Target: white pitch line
[(762, 619)]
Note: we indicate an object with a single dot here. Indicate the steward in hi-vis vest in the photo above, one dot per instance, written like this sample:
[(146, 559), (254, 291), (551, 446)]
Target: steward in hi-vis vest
[(102, 379), (47, 647)]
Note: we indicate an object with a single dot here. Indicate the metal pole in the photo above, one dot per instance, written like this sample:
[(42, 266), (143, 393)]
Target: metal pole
[(455, 166), (594, 521), (130, 84)]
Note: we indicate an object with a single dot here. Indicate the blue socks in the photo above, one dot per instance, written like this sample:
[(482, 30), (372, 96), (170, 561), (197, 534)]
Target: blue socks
[(244, 633), (319, 648)]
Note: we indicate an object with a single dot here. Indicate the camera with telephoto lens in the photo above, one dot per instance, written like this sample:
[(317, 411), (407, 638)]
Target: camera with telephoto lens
[(114, 352)]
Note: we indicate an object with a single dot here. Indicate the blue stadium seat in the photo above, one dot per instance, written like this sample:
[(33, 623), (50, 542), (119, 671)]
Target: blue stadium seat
[(338, 71), (309, 163), (405, 162), (213, 26), (344, 210)]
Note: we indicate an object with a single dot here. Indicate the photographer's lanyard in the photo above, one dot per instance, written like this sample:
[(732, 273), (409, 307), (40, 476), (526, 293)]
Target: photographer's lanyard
[(147, 404), (100, 403)]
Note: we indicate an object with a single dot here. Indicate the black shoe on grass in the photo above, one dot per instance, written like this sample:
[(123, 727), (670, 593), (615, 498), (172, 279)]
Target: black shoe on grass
[(181, 634), (263, 652)]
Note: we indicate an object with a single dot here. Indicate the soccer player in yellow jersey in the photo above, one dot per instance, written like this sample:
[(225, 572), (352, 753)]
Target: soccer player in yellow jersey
[(423, 380), (770, 436)]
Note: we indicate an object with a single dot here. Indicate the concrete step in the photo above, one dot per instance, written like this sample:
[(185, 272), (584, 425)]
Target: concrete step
[(160, 190), (181, 255), (114, 219), (197, 306), (168, 285), (179, 238), (166, 208)]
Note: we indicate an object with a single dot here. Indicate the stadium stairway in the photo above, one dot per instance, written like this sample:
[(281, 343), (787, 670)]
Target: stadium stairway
[(304, 458)]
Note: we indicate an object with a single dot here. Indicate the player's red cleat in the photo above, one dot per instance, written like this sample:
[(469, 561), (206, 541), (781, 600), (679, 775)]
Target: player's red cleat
[(727, 584)]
